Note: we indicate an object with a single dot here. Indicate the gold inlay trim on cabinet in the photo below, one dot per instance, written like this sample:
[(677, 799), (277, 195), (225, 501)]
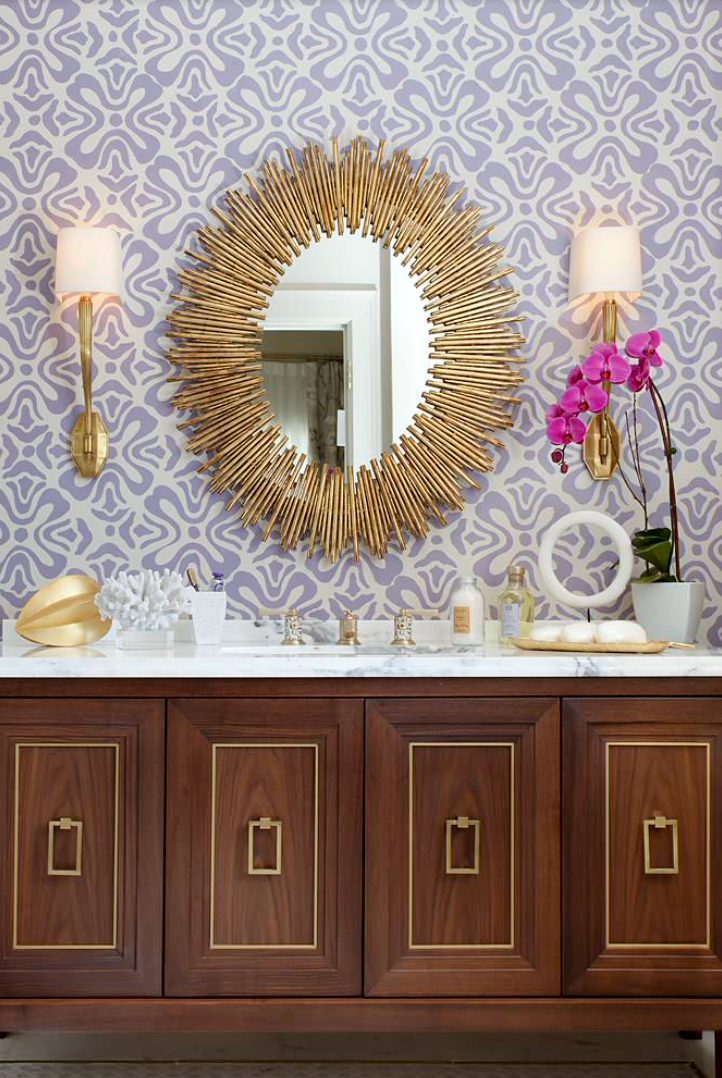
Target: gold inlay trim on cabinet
[(650, 944), (414, 946), (115, 746), (213, 942)]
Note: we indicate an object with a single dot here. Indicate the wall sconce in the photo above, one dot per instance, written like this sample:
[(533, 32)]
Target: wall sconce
[(88, 263), (607, 260)]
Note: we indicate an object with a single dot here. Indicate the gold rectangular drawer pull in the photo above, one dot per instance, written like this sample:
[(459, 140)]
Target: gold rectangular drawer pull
[(265, 823), (463, 823), (65, 824), (660, 823)]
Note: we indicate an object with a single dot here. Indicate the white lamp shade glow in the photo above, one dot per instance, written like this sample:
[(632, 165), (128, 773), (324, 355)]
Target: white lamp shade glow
[(605, 260), (88, 260)]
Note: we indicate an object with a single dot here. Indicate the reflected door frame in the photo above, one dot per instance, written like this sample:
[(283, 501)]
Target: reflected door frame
[(353, 311)]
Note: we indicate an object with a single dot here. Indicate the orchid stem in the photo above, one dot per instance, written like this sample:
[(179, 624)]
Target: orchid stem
[(663, 419)]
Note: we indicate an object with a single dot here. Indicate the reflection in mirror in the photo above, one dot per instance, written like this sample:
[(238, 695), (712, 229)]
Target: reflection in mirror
[(345, 350), (303, 372)]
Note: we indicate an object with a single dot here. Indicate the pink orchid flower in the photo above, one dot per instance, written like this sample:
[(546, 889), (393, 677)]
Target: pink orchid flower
[(643, 346), (566, 429), (639, 376), (605, 364), (584, 396)]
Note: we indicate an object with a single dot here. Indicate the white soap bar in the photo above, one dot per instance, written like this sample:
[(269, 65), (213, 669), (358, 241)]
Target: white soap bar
[(620, 632), (548, 634), (579, 632)]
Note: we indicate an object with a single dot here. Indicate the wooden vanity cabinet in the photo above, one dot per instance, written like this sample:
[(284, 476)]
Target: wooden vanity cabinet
[(264, 848), (462, 847), (643, 847), (361, 856), (81, 789)]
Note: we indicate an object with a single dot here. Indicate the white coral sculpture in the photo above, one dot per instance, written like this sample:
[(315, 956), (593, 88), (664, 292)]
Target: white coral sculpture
[(144, 600)]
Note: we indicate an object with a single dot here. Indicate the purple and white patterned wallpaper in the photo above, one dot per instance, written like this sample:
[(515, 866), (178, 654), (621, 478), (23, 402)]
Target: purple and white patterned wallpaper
[(140, 113)]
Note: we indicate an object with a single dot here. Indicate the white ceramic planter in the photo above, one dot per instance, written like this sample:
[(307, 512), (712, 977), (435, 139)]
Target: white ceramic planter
[(669, 611), (144, 639)]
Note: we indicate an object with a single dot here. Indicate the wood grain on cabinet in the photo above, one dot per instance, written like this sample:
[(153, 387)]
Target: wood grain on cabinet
[(376, 1015), (264, 848), (462, 847), (356, 688), (642, 846), (82, 786)]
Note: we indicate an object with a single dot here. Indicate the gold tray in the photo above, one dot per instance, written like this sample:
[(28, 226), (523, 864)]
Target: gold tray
[(652, 647)]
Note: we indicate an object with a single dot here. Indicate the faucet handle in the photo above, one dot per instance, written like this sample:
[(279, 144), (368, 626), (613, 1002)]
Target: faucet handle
[(292, 624), (293, 628), (404, 626)]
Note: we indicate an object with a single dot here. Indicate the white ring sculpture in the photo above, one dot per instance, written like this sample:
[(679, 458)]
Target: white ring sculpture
[(555, 589)]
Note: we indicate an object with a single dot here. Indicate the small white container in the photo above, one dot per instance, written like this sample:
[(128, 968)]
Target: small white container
[(467, 613), (208, 610), (144, 639)]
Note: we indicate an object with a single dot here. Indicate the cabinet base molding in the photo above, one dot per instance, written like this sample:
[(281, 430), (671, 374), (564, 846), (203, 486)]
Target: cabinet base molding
[(357, 1015)]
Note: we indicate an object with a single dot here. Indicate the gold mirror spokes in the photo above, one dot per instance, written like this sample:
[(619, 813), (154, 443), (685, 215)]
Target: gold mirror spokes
[(217, 331)]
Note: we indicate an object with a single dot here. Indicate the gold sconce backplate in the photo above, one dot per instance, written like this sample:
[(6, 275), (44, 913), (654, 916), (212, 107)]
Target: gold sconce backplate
[(472, 369), (64, 614), (602, 465), (90, 444), (602, 450)]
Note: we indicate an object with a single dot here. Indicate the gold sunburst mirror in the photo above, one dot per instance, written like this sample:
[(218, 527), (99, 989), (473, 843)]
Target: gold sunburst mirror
[(346, 349)]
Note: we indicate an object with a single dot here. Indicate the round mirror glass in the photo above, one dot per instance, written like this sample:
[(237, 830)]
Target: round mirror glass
[(345, 350)]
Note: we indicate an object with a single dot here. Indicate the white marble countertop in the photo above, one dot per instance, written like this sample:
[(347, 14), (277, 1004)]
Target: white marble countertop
[(246, 660)]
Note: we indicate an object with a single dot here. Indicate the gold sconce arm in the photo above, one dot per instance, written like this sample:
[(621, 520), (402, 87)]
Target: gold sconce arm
[(90, 441), (609, 319), (603, 443), (85, 327)]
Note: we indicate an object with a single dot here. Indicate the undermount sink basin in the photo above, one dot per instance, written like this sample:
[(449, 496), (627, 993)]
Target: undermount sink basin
[(309, 649), (316, 650)]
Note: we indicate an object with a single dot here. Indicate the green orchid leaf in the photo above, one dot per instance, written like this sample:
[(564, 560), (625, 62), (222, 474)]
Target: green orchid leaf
[(654, 546), (651, 535)]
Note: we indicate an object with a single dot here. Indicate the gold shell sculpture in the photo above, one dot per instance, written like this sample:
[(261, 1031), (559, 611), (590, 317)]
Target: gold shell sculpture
[(217, 329), (63, 614)]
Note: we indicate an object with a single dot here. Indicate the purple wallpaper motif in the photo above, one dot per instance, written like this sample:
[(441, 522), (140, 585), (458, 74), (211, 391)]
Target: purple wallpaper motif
[(139, 115)]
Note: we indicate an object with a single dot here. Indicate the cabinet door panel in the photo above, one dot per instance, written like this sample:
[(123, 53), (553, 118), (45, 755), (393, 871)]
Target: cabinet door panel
[(67, 876), (458, 907), (641, 798), (264, 847), (82, 880), (462, 847), (265, 882)]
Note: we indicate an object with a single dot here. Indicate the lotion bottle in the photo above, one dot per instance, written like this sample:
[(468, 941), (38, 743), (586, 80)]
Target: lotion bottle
[(467, 613), (516, 607)]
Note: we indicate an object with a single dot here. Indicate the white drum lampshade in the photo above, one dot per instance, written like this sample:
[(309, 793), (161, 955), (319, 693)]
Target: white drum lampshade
[(607, 259), (88, 261)]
